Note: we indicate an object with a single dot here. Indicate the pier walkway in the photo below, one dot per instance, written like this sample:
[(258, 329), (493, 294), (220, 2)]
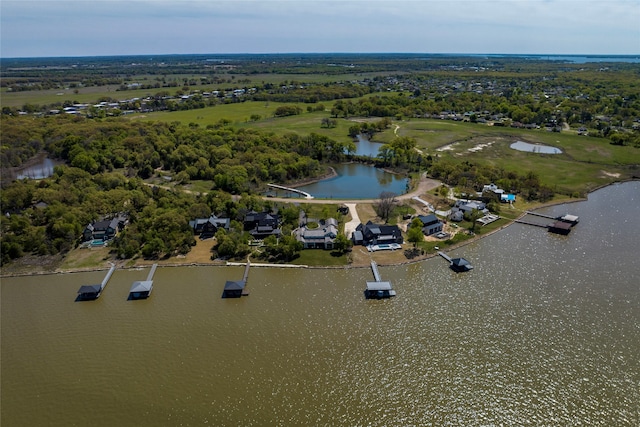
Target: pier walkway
[(445, 256), (294, 190), (237, 288), (142, 289), (561, 225), (539, 214), (376, 273), (378, 289), (107, 277), (519, 221)]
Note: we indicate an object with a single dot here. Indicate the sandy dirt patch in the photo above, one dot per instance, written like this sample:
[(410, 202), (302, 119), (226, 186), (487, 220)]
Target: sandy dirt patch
[(610, 174)]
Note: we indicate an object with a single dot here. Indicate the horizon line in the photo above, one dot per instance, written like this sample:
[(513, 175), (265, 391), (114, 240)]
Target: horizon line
[(326, 53)]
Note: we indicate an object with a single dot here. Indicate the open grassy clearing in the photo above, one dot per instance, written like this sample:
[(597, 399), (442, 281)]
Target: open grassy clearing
[(84, 258), (586, 162), (320, 257), (237, 113)]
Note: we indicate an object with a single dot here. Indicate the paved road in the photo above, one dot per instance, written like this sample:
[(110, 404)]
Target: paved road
[(351, 226)]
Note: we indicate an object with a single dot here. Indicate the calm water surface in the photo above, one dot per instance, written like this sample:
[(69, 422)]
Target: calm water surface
[(544, 331), (364, 147), (357, 181), (535, 148)]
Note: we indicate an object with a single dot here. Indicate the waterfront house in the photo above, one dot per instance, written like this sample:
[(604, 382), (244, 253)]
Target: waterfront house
[(376, 234), (503, 196), (262, 224), (493, 189), (430, 224), (208, 227), (103, 230), (322, 237), (456, 216), (508, 198), (468, 206)]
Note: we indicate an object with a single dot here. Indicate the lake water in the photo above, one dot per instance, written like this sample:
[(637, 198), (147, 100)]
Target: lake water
[(357, 181), (364, 147), (42, 170), (544, 331), (535, 148)]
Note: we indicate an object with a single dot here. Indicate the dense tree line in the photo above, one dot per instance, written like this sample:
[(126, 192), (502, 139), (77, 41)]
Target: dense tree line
[(309, 93), (48, 217), (235, 159), (470, 178), (106, 161)]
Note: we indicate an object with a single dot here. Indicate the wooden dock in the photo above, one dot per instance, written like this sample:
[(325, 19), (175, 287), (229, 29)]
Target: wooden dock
[(459, 265), (560, 225), (237, 288), (107, 277), (378, 289), (445, 256), (142, 289), (540, 215), (293, 190), (376, 273), (519, 221), (92, 292)]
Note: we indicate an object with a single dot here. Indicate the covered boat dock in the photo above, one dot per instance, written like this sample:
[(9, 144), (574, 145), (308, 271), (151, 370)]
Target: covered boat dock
[(142, 289), (459, 265), (562, 224), (378, 289), (92, 292), (236, 288)]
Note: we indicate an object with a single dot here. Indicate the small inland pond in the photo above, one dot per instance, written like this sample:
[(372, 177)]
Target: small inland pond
[(535, 148), (357, 181)]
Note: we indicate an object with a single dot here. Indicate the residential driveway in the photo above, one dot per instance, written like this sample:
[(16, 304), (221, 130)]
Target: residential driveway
[(351, 226)]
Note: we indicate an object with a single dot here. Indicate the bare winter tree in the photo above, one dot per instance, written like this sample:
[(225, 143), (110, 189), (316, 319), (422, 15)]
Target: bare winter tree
[(385, 205)]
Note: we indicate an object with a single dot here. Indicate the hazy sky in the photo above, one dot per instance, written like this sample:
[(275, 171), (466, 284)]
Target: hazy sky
[(111, 27)]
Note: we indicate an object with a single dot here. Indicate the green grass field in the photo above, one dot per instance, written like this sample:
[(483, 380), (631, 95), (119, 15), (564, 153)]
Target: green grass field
[(585, 163)]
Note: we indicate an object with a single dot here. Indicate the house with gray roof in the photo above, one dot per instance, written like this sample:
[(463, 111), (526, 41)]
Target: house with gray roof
[(104, 230), (262, 224), (431, 224), (208, 227), (321, 237)]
